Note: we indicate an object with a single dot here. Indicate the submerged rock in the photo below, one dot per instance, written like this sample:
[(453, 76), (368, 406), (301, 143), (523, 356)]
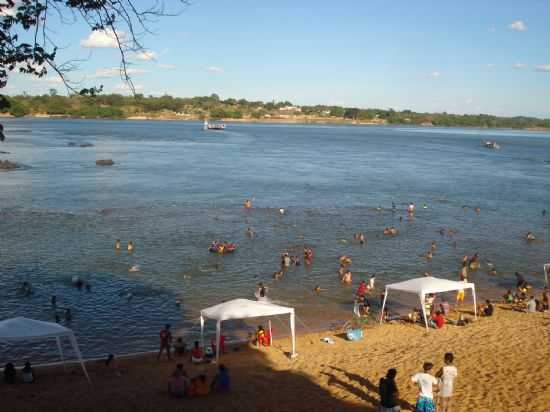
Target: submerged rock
[(86, 144), (7, 165), (104, 162)]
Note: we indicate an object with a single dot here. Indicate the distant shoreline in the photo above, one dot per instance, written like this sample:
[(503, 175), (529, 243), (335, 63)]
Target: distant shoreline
[(290, 121)]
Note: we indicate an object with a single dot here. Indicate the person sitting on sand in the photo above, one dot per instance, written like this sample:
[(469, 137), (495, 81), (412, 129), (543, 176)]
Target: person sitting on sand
[(487, 309), (447, 375), (180, 346), (9, 373), (531, 305), (177, 382), (437, 321), (529, 237), (508, 297), (202, 388), (130, 247), (425, 381), (222, 381), (445, 307), (197, 354), (28, 373), (387, 389), (113, 364), (347, 278)]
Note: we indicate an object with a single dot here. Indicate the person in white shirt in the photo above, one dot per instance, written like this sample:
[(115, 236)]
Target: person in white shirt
[(446, 375), (531, 305), (425, 381)]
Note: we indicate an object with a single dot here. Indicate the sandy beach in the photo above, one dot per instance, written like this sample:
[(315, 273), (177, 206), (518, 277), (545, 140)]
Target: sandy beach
[(502, 365)]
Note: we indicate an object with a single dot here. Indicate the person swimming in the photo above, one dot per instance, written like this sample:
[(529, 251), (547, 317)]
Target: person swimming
[(361, 238), (248, 204), (433, 247), (429, 255), (278, 275), (529, 236), (250, 233), (347, 278), (130, 247), (134, 268), (117, 244)]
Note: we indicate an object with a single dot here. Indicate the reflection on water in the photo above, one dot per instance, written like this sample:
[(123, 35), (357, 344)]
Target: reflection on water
[(174, 189)]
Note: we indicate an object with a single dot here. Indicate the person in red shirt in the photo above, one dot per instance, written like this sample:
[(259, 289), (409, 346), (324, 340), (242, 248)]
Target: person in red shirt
[(362, 289), (438, 321), (165, 341)]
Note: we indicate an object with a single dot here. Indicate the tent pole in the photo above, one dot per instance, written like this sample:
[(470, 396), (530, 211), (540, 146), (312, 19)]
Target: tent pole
[(422, 303), (292, 331), (218, 338), (383, 304), (79, 355), (202, 331), (270, 334), (475, 303), (58, 340)]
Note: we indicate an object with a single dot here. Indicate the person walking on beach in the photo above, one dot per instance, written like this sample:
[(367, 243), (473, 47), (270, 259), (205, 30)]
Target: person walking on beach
[(446, 375), (165, 341), (387, 389), (425, 381)]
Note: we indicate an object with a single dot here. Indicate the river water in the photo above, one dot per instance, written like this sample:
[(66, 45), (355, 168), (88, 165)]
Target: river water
[(174, 188)]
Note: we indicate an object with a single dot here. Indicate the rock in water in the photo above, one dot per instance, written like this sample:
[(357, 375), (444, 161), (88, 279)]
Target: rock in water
[(104, 162)]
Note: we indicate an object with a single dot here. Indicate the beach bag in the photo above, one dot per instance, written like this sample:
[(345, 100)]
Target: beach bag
[(354, 334)]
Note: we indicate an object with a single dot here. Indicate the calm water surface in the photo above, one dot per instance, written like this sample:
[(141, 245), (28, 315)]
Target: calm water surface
[(174, 188)]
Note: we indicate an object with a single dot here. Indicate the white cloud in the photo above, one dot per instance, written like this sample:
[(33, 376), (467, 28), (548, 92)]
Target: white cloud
[(124, 87), (48, 79), (469, 100), (519, 66), (167, 66), (518, 25), (543, 68), (145, 55), (491, 65), (116, 72), (215, 69), (103, 39), (435, 74)]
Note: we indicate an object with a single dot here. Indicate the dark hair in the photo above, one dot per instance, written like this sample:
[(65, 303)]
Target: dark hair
[(488, 301), (27, 365), (222, 368), (391, 373), (167, 326), (179, 366), (449, 357), (196, 344), (427, 366)]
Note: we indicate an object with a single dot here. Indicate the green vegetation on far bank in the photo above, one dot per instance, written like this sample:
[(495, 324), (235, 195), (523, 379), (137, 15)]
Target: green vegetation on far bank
[(116, 106)]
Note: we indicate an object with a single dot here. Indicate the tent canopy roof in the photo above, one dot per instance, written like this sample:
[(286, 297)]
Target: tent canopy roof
[(244, 308), (429, 284), (21, 328)]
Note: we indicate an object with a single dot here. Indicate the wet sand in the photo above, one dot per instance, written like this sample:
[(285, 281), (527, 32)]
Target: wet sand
[(502, 364)]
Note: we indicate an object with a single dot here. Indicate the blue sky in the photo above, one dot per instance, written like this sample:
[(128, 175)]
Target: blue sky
[(461, 56)]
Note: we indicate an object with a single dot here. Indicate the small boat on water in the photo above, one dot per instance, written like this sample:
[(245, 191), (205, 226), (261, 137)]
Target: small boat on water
[(491, 145), (213, 126)]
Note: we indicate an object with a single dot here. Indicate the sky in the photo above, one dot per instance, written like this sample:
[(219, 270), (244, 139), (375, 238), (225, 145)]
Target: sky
[(467, 56)]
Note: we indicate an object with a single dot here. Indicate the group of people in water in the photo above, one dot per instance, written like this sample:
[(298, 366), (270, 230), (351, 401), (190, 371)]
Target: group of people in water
[(222, 247)]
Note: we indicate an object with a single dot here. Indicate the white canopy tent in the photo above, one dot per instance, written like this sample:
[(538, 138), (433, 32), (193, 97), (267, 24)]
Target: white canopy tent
[(243, 309), (20, 328), (426, 285)]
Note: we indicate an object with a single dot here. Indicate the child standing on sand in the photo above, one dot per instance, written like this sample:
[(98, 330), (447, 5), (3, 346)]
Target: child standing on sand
[(425, 381), (446, 375)]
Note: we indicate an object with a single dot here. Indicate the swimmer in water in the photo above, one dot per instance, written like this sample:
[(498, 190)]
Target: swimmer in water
[(68, 315), (117, 244), (529, 237), (317, 289), (134, 268), (411, 208), (361, 238), (347, 278), (478, 210), (281, 211), (433, 247), (429, 255), (428, 274), (393, 207), (544, 212), (278, 275), (250, 233), (130, 247), (248, 204), (53, 301)]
